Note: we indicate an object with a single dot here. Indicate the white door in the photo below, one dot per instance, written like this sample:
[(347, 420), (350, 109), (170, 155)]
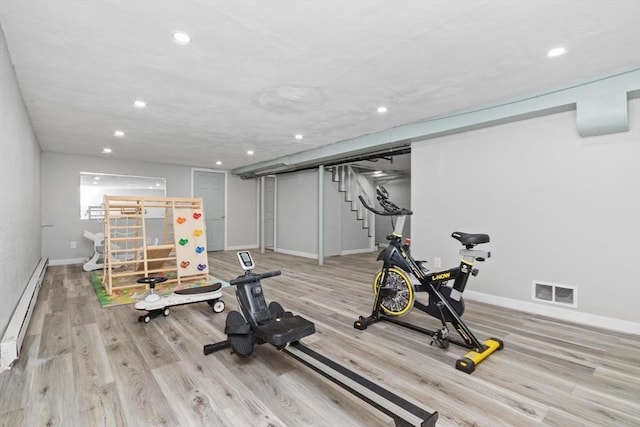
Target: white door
[(210, 186)]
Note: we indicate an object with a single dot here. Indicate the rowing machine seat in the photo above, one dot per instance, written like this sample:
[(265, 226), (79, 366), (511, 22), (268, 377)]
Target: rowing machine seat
[(282, 330)]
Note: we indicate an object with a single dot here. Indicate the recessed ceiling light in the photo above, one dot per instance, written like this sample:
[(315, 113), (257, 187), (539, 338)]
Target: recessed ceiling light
[(250, 152), (299, 136), (181, 38), (97, 178), (556, 51), (118, 133), (106, 150), (139, 104), (218, 163), (382, 109)]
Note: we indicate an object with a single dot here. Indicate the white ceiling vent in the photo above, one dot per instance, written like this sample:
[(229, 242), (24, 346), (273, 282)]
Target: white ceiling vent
[(555, 294)]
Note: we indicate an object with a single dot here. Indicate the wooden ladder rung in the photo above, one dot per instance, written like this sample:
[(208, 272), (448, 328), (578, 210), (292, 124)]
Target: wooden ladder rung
[(168, 246), (125, 239), (121, 250)]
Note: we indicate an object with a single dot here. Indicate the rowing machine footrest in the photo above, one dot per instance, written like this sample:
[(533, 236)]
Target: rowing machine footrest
[(237, 328), (239, 334)]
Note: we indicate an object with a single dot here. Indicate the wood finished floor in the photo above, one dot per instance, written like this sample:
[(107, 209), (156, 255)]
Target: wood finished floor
[(83, 365)]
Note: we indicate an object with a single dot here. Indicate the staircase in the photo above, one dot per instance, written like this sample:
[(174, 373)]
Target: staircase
[(349, 184)]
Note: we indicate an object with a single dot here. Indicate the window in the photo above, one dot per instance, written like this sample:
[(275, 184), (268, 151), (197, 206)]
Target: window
[(94, 186)]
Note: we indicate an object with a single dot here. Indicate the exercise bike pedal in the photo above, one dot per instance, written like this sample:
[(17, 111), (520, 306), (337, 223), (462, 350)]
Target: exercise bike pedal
[(440, 342), (441, 338)]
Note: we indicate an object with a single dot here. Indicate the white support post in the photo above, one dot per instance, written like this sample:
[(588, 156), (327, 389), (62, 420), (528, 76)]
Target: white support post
[(321, 215), (262, 187)]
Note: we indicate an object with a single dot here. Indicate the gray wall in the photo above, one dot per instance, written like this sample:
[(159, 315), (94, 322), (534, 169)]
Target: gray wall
[(559, 208), (297, 217), (61, 201), (297, 210), (61, 198), (20, 182)]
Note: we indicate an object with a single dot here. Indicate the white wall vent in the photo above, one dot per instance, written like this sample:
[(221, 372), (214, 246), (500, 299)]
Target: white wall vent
[(555, 294)]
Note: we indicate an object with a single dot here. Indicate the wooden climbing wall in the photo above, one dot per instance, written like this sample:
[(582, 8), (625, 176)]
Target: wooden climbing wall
[(179, 254), (191, 242)]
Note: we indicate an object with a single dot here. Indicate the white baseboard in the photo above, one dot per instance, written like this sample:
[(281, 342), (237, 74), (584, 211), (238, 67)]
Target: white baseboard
[(570, 315), (358, 251), (17, 328), (296, 253), (68, 261), (241, 247), (315, 256)]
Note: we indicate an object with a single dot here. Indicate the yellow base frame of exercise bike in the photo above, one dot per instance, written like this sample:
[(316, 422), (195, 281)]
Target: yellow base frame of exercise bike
[(473, 358)]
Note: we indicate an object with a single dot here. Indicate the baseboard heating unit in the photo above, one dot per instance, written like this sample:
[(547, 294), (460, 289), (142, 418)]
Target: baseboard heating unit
[(17, 328)]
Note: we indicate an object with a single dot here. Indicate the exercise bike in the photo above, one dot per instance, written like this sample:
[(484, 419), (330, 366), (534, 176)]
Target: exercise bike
[(395, 292)]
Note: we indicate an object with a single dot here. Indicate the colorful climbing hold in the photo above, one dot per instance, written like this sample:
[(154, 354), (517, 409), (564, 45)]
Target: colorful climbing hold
[(181, 220), (202, 267), (197, 232), (184, 264), (183, 242), (199, 249), (197, 215)]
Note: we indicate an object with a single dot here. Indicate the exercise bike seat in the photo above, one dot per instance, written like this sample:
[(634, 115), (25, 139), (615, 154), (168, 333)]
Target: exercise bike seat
[(469, 240), (284, 330)]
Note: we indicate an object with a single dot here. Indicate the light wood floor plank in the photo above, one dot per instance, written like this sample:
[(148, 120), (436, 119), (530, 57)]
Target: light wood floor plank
[(56, 335), (81, 310), (111, 323), (12, 418), (105, 410), (92, 371), (90, 366), (15, 384), (52, 400), (154, 351), (139, 393)]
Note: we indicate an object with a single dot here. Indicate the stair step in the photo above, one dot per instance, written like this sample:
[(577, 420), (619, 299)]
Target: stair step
[(347, 181)]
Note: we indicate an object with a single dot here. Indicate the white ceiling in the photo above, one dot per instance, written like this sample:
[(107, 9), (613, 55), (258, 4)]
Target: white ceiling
[(258, 72)]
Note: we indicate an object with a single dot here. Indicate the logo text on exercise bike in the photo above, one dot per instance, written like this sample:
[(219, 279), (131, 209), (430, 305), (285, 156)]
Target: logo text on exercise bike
[(441, 276)]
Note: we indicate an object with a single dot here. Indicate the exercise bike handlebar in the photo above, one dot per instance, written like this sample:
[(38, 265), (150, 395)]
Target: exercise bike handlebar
[(390, 208), (251, 277)]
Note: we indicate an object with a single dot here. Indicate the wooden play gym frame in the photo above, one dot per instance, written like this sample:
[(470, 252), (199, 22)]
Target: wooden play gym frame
[(127, 255)]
